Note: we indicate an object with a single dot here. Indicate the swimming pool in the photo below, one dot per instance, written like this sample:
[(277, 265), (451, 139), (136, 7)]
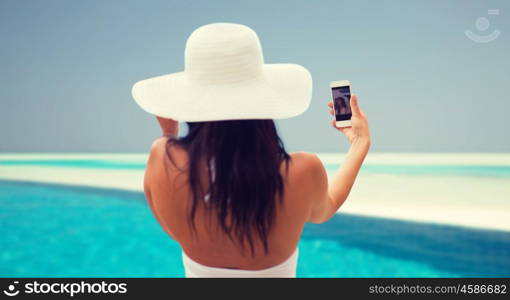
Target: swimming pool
[(64, 231)]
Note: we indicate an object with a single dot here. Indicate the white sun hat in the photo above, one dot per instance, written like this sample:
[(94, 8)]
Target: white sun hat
[(225, 78)]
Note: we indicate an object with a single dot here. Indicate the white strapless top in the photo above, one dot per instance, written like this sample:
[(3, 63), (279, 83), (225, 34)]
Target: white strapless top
[(284, 269)]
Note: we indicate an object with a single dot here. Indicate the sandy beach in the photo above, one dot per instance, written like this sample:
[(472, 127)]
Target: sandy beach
[(478, 202)]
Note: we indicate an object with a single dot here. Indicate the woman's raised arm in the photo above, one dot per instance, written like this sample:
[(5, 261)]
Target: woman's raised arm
[(332, 196), (168, 126)]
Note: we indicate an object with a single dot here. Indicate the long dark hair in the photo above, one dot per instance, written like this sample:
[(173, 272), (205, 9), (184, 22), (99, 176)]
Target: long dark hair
[(244, 179)]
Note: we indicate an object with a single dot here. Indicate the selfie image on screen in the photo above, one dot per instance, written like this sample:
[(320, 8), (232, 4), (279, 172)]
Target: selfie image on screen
[(342, 96)]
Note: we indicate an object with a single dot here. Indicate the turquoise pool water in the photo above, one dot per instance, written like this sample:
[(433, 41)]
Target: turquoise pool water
[(59, 231)]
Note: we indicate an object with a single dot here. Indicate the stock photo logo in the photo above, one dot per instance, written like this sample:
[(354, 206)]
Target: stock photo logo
[(11, 290), (482, 24), (66, 288)]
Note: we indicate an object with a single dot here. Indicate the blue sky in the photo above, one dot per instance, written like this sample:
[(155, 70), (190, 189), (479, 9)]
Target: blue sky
[(67, 67)]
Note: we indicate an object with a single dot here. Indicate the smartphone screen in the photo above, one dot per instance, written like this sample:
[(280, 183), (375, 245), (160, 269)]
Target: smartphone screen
[(341, 98)]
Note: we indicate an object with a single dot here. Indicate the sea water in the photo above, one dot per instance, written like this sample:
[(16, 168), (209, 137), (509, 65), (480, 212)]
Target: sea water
[(57, 230)]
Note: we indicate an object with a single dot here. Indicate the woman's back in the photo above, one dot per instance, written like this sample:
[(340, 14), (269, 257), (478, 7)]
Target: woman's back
[(170, 198), (229, 182)]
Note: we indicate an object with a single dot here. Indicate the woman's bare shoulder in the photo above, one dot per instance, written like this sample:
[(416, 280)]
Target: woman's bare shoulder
[(305, 161), (158, 147), (159, 155), (307, 168), (307, 177)]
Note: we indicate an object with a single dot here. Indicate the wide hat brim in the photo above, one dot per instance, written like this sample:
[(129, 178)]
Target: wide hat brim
[(281, 91)]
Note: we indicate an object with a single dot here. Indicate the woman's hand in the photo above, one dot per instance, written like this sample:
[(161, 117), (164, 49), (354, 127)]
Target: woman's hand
[(168, 126), (358, 133)]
